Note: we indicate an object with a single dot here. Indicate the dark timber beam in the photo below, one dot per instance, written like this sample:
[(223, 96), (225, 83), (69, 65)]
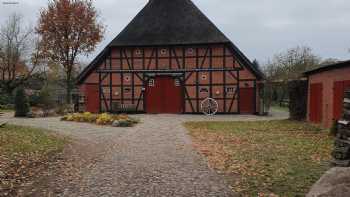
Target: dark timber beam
[(110, 81), (224, 77), (197, 80), (169, 71)]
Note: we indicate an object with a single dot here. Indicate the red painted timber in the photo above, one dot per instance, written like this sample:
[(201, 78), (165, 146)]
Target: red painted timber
[(92, 98), (164, 96), (247, 100), (315, 105)]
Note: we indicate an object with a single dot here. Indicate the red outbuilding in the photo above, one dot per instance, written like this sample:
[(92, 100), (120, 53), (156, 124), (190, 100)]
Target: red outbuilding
[(168, 59), (326, 92)]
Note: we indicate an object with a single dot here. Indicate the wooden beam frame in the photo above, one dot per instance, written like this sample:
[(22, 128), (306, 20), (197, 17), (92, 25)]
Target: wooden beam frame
[(180, 68)]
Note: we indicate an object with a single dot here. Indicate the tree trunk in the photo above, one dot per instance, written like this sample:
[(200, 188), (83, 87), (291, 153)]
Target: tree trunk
[(68, 89)]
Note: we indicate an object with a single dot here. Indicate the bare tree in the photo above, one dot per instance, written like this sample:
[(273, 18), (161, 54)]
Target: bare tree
[(16, 46), (292, 64), (287, 66), (329, 61), (69, 28)]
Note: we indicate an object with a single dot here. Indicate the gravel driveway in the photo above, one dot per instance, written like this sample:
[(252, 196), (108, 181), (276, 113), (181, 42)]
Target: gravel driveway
[(154, 158)]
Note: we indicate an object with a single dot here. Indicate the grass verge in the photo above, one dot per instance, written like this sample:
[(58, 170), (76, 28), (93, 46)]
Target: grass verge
[(24, 153), (266, 158), (6, 110), (279, 108)]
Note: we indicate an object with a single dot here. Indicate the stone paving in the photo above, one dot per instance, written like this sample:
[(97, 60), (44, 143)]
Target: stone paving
[(154, 158)]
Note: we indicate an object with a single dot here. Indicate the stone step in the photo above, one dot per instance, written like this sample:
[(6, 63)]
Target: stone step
[(345, 142), (341, 163), (346, 106), (346, 116), (347, 94), (344, 122), (346, 111), (346, 100), (343, 150)]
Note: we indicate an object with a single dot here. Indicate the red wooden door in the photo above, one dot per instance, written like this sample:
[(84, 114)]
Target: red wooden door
[(164, 95), (315, 104), (339, 89), (246, 101), (92, 98)]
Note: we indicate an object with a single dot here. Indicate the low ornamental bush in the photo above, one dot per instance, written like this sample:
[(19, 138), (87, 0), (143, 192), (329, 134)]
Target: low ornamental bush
[(102, 119)]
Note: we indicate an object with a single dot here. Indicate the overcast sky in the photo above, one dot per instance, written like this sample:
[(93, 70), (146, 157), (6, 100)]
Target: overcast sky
[(260, 28)]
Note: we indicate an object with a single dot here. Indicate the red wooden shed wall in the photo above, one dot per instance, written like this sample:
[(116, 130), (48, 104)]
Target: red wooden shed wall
[(334, 83)]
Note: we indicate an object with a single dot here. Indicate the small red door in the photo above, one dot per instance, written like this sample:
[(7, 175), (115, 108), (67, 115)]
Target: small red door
[(92, 98), (315, 109), (339, 88), (164, 95), (246, 101)]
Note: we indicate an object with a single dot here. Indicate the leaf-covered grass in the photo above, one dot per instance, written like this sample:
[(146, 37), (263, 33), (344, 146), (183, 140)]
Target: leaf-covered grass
[(24, 153), (262, 158), (26, 140)]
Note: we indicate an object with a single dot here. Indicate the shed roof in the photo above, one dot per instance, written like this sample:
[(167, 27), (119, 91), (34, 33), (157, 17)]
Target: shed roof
[(328, 67)]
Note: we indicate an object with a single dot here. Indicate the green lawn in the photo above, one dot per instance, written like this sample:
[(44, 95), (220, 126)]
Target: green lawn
[(24, 151), (279, 108), (6, 110), (262, 158)]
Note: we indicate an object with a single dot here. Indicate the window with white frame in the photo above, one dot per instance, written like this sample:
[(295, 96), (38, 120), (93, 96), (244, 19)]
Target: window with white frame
[(177, 82), (231, 90), (151, 83)]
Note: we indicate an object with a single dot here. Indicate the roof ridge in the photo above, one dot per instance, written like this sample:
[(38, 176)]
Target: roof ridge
[(174, 22), (339, 64)]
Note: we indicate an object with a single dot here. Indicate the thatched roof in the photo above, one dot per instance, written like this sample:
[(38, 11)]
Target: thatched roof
[(167, 23)]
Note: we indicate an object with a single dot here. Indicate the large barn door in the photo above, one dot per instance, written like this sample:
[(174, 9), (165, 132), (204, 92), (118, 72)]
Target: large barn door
[(339, 89), (246, 101), (164, 95), (315, 104), (92, 98)]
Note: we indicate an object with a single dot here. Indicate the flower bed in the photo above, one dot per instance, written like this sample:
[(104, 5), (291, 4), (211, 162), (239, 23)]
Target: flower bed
[(102, 119)]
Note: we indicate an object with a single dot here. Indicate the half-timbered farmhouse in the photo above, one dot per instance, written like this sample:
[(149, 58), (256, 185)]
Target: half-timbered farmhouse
[(168, 60)]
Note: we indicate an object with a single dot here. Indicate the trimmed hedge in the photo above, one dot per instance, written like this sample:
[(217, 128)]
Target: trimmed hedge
[(298, 99)]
